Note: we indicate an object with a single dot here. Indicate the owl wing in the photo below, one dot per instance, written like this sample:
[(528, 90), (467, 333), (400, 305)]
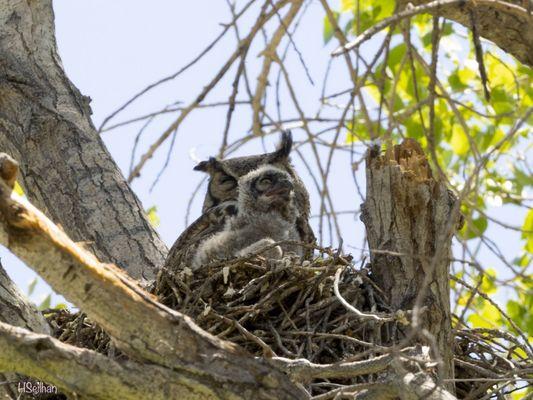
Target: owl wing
[(209, 223)]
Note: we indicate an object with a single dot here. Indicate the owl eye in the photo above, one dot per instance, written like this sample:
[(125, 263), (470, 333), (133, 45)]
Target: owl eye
[(227, 182), (264, 184)]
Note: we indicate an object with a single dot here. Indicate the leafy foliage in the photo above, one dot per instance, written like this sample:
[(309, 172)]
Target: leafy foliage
[(476, 143)]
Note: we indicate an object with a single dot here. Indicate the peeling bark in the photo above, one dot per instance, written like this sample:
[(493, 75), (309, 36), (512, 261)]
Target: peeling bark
[(45, 124), (410, 219)]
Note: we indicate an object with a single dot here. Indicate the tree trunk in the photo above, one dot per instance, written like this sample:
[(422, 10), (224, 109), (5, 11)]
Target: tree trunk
[(45, 125), (410, 219), (16, 310), (508, 26)]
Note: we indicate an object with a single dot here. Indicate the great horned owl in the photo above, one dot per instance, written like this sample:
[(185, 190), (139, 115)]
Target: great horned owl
[(221, 199), (266, 214)]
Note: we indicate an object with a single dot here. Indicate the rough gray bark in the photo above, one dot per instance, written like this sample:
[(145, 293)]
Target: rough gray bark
[(410, 219), (511, 32), (45, 124), (16, 310)]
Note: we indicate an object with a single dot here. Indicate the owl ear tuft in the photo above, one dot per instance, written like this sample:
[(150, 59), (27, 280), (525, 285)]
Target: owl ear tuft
[(284, 148), (209, 166)]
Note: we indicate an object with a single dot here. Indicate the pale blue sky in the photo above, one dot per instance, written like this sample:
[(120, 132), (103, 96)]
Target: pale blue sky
[(112, 49)]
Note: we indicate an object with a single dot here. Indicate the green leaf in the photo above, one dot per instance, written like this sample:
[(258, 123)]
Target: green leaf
[(527, 231), (31, 286), (328, 30), (474, 228), (153, 217), (459, 141), (45, 303), (383, 8), (455, 81), (396, 55), (501, 101)]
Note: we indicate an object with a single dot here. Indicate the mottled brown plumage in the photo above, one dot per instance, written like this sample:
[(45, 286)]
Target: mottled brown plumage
[(221, 199), (266, 214)]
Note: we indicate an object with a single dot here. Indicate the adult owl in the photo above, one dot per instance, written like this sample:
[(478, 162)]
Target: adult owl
[(220, 201), (266, 214)]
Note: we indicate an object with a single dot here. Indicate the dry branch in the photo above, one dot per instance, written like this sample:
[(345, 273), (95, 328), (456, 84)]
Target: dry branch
[(269, 55), (16, 310)]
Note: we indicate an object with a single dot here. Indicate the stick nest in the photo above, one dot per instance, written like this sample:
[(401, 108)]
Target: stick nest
[(274, 307), (288, 308)]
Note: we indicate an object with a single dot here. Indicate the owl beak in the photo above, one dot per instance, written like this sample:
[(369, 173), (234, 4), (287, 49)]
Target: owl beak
[(281, 189)]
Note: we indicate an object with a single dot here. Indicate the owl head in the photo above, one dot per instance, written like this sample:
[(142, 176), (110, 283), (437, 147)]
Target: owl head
[(224, 174), (265, 190)]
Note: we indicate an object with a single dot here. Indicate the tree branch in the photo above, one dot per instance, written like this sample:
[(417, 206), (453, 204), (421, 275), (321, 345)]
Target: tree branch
[(302, 370), (506, 23), (139, 325), (82, 372)]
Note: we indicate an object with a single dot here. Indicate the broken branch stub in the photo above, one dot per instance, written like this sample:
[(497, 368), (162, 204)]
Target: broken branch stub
[(410, 218)]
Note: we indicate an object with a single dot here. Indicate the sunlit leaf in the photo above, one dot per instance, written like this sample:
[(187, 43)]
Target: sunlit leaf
[(459, 141), (488, 316), (527, 231), (45, 303), (348, 5), (488, 286), (153, 217), (18, 189), (31, 286), (328, 29)]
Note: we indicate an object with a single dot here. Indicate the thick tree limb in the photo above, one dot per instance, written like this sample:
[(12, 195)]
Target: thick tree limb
[(45, 124), (85, 373), (139, 325), (507, 23), (15, 308)]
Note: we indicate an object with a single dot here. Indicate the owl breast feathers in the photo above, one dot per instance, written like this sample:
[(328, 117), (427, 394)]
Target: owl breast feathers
[(223, 201), (266, 214)]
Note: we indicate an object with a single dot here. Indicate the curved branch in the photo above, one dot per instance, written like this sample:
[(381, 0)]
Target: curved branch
[(506, 23), (138, 324)]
